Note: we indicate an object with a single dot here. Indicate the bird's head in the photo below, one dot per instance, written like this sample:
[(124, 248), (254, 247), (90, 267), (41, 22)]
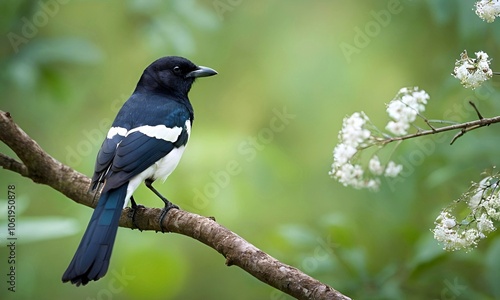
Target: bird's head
[(172, 74)]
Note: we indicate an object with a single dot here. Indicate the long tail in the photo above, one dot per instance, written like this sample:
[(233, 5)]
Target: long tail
[(91, 259)]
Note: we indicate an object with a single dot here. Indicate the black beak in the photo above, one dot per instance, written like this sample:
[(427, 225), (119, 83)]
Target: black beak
[(202, 72)]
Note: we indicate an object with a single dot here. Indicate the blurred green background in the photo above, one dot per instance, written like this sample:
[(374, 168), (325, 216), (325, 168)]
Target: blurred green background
[(67, 66)]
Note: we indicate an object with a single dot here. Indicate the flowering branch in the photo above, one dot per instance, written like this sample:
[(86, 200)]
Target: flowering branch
[(472, 72), (465, 127), (358, 134), (483, 201), (488, 10)]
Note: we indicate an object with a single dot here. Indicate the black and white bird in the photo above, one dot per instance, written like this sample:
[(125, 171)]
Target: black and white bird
[(145, 143)]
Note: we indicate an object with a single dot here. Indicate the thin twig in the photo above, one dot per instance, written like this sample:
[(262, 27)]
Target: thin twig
[(426, 121), (13, 165), (443, 122), (465, 127), (477, 110)]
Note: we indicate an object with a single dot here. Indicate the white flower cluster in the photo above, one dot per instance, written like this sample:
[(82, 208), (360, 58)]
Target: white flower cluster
[(483, 200), (404, 108), (472, 72), (354, 136), (488, 10)]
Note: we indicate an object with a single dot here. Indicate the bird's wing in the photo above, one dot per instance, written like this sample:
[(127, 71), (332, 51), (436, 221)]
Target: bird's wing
[(144, 145), (106, 155)]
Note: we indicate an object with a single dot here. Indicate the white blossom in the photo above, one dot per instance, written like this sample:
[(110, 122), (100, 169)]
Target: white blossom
[(353, 132), (491, 204), (488, 10), (349, 174), (375, 166), (373, 184), (472, 72), (404, 109), (398, 128), (352, 136), (484, 204), (348, 167), (449, 223), (484, 224), (451, 237), (343, 153), (393, 169)]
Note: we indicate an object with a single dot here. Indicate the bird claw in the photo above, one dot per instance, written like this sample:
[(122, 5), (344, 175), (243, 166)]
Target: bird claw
[(133, 213), (163, 214)]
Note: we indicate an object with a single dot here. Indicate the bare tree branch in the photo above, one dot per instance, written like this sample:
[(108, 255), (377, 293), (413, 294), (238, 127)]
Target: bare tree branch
[(44, 169), (13, 165)]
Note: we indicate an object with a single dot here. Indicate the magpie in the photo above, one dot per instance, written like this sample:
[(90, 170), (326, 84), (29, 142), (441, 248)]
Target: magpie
[(145, 143)]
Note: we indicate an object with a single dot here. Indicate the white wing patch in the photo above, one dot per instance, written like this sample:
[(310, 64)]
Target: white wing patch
[(116, 130), (159, 132), (188, 127)]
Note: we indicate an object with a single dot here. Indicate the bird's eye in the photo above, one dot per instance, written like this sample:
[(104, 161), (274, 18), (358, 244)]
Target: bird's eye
[(177, 70)]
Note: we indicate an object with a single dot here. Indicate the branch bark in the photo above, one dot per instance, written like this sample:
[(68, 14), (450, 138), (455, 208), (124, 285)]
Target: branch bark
[(42, 168), (464, 128)]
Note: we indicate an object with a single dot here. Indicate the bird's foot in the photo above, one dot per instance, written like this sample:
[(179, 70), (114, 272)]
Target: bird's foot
[(133, 212), (168, 206)]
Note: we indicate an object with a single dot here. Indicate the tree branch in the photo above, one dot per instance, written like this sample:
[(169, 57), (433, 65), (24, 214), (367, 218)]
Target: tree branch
[(44, 169), (464, 128)]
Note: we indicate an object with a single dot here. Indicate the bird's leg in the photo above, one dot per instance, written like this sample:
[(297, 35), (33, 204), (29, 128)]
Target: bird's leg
[(133, 210), (168, 205)]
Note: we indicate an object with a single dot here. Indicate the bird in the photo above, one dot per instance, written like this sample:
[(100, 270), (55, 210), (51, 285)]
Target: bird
[(145, 142)]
